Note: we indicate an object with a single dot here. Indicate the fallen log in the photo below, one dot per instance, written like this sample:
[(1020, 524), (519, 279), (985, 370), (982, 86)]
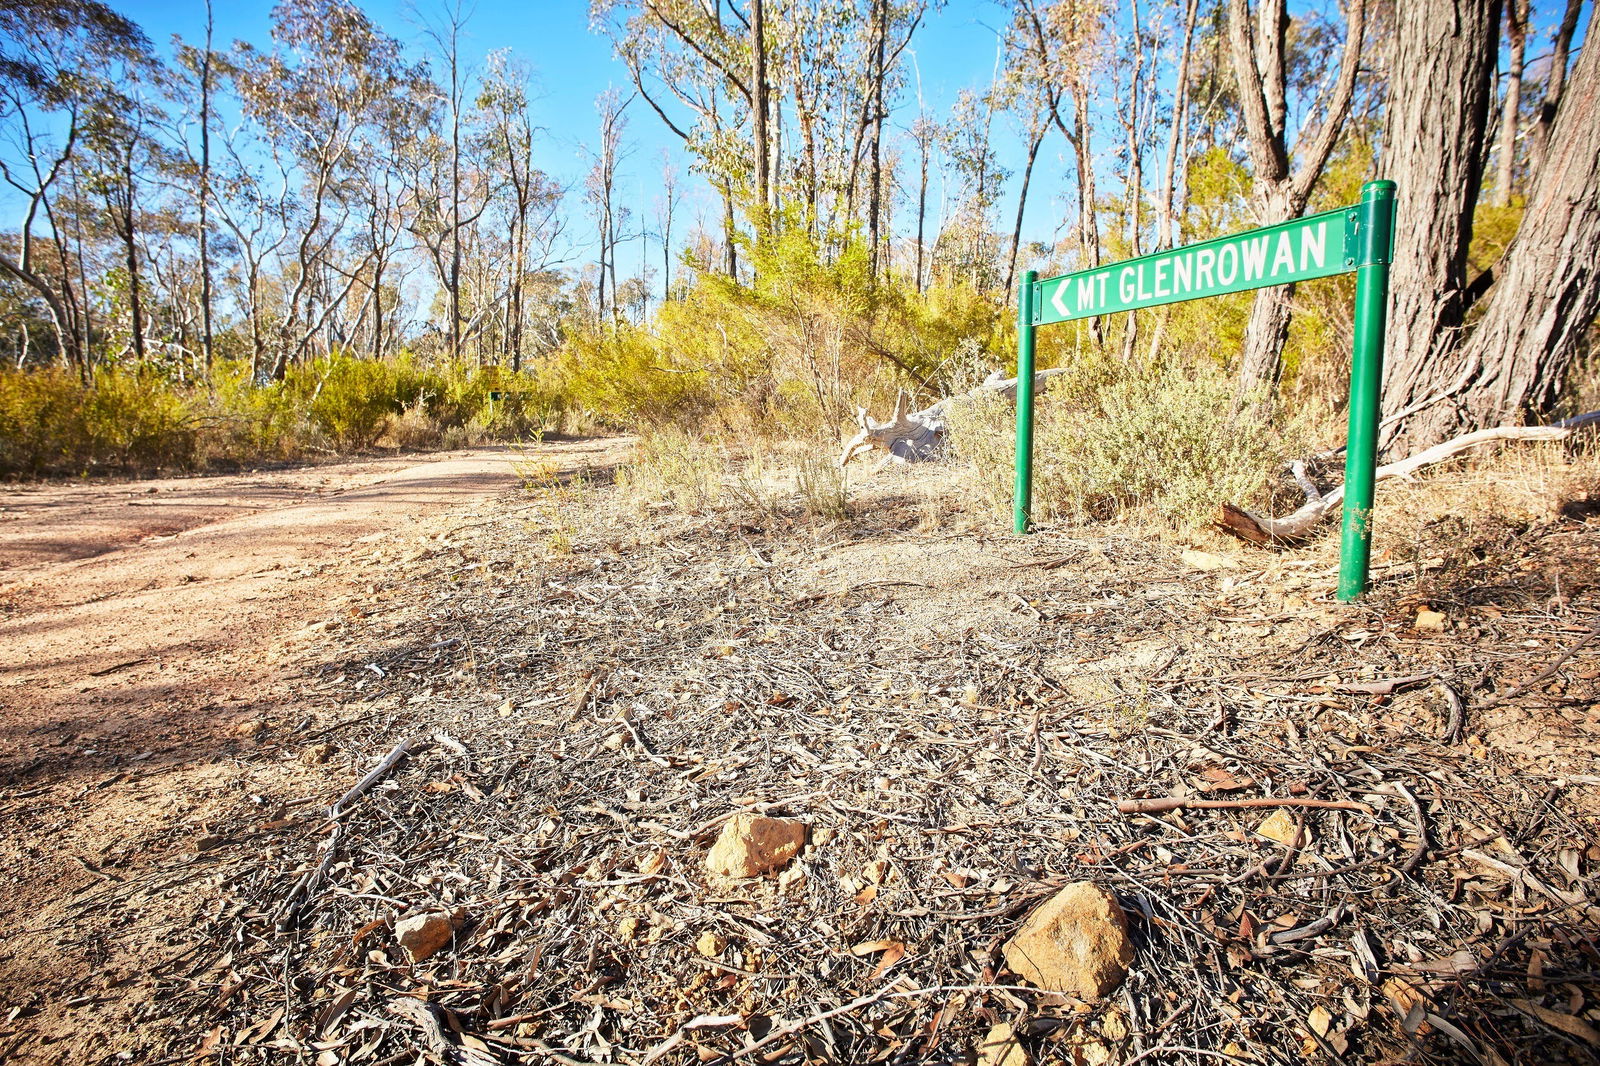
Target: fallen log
[(918, 436), (1294, 528)]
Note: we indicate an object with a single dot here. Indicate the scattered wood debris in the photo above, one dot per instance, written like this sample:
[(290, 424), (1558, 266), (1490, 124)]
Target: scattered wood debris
[(961, 747)]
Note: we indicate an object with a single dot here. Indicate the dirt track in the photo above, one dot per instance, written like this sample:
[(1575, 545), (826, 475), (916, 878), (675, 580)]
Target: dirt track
[(148, 630)]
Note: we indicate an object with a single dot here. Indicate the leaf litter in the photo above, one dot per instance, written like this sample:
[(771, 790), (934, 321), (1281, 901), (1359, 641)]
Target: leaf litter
[(1356, 868)]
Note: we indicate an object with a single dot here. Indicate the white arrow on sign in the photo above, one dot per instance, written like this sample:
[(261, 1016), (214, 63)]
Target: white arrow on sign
[(1060, 305)]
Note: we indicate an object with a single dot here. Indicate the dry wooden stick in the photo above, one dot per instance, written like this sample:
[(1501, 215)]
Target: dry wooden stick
[(301, 893), (1543, 675), (377, 773), (1291, 529), (1173, 803)]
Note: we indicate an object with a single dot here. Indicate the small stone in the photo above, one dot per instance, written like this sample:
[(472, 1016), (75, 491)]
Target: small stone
[(710, 944), (1076, 942), (1198, 560), (615, 741), (1429, 621), (751, 844), (628, 928), (1280, 827), (1001, 1048), (424, 935), (317, 754)]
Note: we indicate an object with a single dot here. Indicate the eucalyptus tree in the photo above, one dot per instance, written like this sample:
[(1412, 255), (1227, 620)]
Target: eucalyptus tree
[(600, 193), (1533, 310), (532, 199), (254, 201), (666, 210), (968, 244), (54, 58), (191, 90), (1285, 169), (693, 56), (1058, 48), (824, 76), (331, 75), (119, 138)]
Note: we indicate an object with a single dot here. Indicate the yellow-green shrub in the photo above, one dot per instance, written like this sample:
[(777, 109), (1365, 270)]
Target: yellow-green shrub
[(51, 423), (1160, 442)]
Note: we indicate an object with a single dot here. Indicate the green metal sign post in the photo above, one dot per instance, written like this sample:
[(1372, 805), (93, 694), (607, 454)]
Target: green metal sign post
[(1358, 238)]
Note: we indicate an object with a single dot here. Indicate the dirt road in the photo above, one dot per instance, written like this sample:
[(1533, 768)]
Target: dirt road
[(146, 635)]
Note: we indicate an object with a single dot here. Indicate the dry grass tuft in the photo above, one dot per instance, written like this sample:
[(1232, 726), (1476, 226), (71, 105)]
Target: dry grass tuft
[(1160, 445)]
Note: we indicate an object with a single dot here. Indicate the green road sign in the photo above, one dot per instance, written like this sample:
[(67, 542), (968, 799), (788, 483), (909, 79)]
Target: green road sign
[(1318, 246), (1355, 239)]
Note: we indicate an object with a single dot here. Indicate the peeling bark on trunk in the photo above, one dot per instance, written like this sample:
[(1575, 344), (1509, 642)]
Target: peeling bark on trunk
[(1434, 152), (1547, 293)]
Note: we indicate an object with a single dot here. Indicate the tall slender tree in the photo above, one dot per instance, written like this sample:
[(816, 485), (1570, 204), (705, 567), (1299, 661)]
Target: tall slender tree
[(1283, 177)]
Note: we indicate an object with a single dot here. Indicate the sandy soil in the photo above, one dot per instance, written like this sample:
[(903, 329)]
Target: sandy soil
[(147, 631)]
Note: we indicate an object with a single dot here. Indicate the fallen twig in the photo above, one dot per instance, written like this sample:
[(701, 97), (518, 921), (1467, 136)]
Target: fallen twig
[(1543, 675), (1174, 803)]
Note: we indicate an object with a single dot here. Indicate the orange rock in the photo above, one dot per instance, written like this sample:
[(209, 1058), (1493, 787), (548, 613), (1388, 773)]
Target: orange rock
[(1076, 942), (1000, 1048), (750, 845), (424, 935)]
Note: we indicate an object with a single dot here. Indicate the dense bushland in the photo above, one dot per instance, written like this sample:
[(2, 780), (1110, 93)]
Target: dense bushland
[(132, 421)]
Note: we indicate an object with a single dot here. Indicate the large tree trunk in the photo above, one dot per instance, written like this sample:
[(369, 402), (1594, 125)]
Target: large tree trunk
[(1434, 152), (1547, 289), (205, 191), (1259, 45)]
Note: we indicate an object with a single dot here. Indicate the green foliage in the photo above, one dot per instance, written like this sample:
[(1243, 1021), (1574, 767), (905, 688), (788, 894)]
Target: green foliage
[(1492, 230), (791, 355), (1158, 443), (352, 400)]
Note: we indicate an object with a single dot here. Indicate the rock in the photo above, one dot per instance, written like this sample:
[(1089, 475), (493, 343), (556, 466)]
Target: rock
[(710, 944), (317, 754), (751, 844), (1076, 942), (1280, 827), (1000, 1048), (424, 935), (1429, 621)]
